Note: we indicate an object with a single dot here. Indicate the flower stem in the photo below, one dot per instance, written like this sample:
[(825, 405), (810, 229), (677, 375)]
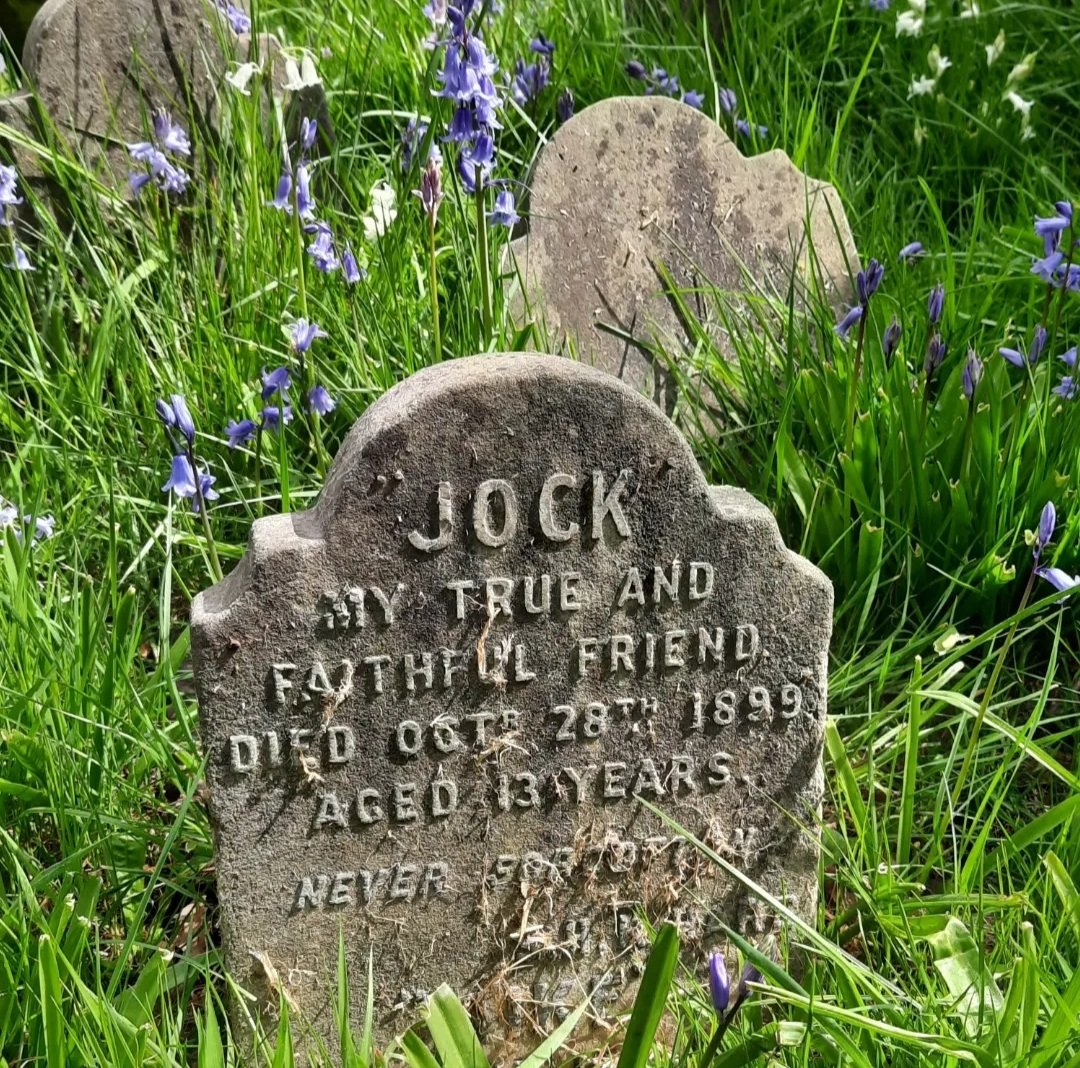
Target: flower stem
[(853, 388), (436, 334), (486, 315), (258, 471), (200, 500)]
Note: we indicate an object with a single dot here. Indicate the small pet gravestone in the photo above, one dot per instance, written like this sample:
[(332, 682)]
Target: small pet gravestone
[(437, 707), (634, 186)]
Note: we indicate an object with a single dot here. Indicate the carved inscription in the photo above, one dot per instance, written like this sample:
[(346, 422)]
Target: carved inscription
[(492, 671)]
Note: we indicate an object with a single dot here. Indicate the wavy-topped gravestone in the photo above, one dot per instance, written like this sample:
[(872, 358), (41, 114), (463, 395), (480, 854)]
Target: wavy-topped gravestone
[(437, 707), (635, 186)]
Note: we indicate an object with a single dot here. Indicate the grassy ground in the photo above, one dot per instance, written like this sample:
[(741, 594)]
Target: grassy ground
[(949, 928)]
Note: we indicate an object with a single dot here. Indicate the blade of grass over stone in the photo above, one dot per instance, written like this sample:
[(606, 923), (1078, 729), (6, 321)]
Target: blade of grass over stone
[(1066, 891), (551, 1045), (416, 1053), (651, 999), (455, 1038)]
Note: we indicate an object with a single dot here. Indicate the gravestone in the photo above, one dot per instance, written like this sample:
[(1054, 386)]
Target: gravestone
[(633, 185), (102, 68), (436, 706)]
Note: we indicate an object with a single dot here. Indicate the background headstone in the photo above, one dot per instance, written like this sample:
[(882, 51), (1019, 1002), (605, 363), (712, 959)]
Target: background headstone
[(631, 183), (430, 703), (102, 68)]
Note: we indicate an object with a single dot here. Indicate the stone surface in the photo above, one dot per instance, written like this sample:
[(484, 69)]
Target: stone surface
[(101, 68), (18, 127), (430, 703), (633, 183)]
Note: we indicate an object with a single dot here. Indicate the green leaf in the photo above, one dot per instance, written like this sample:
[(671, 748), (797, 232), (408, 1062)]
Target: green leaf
[(553, 1043), (455, 1039), (651, 999), (52, 1003), (962, 965), (1066, 890), (211, 1051), (416, 1053)]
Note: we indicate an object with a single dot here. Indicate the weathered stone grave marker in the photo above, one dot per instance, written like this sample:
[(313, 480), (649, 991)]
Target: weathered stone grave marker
[(633, 183), (101, 68), (431, 703)]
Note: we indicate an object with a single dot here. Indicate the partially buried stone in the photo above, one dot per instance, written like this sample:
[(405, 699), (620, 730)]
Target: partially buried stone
[(435, 706), (102, 68), (631, 186)]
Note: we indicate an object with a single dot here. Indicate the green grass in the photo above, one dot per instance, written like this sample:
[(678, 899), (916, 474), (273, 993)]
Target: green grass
[(949, 926)]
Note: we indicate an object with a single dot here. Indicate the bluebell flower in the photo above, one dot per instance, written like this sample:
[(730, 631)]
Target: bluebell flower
[(1052, 225), (541, 45), (463, 125), (911, 252), (350, 268), (1068, 357), (719, 983), (880, 5), (430, 191), (206, 488), (477, 161), (890, 341), (504, 213), (240, 433), (1065, 209), (320, 401), (8, 514), (843, 328), (564, 106), (745, 129), (305, 202), (302, 334), (1047, 267), (169, 138), (321, 250), (530, 80), (694, 99), (170, 135), (414, 135), (935, 355), (868, 280), (44, 526), (181, 478), (1062, 581), (1038, 343), (973, 370), (175, 415), (309, 129), (9, 190), (237, 18), (21, 261), (436, 11), (636, 70), (1068, 388), (1045, 534), (750, 974), (165, 413), (935, 304), (275, 381), (273, 416), (283, 197), (728, 100)]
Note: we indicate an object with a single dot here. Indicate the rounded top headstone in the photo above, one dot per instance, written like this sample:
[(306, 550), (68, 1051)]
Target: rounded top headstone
[(633, 187), (433, 704)]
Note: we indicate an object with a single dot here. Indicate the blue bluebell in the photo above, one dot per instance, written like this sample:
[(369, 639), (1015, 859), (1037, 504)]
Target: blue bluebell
[(320, 401), (719, 983), (239, 433)]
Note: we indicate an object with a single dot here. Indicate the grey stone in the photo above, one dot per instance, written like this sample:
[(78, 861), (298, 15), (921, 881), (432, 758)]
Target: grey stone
[(429, 705), (101, 68), (19, 130), (633, 183)]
